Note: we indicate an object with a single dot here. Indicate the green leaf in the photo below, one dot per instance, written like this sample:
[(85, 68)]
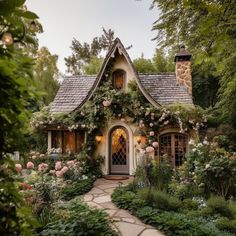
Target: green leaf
[(30, 15)]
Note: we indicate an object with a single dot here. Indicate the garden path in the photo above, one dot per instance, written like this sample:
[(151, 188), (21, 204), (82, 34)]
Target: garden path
[(125, 224)]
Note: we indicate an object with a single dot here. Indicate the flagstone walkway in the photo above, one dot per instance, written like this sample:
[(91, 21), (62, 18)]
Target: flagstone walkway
[(124, 223)]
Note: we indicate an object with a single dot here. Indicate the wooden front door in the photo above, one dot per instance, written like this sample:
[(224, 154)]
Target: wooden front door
[(174, 146), (119, 151)]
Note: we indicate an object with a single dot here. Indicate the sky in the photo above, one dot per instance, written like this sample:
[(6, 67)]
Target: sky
[(63, 20)]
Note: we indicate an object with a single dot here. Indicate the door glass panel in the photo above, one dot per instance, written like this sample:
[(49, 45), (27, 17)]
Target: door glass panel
[(119, 147)]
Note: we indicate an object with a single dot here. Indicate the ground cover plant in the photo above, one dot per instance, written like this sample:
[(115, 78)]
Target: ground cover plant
[(198, 198)]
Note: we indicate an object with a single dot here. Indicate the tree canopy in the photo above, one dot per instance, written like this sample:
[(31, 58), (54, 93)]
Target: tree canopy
[(45, 75), (85, 54), (16, 88), (208, 29)]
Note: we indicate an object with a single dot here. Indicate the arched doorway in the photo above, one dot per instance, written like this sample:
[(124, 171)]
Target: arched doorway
[(174, 145), (119, 151)]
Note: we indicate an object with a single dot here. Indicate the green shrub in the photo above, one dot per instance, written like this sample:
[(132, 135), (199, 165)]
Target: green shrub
[(226, 224), (77, 188), (159, 199), (123, 198), (79, 220), (171, 223), (217, 205), (153, 173), (189, 204)]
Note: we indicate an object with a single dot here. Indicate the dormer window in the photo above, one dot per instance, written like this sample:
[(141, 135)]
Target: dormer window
[(118, 79)]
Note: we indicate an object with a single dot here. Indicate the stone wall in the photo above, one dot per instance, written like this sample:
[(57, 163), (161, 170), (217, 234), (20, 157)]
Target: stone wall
[(184, 74)]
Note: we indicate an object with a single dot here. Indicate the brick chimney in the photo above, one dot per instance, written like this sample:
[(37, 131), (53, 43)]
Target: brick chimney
[(183, 68)]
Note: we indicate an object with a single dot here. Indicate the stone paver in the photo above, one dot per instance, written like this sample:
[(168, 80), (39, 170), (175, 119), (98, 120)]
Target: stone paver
[(124, 223)]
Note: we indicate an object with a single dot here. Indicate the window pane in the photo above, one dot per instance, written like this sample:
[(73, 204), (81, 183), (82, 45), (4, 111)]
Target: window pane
[(118, 79), (57, 139), (69, 142), (180, 148)]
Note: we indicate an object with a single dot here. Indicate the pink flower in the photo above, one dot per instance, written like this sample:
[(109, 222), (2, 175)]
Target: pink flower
[(149, 149), (52, 172), (30, 165), (70, 163), (106, 103), (155, 144), (151, 133), (64, 169), (42, 167), (18, 167), (58, 165), (58, 173)]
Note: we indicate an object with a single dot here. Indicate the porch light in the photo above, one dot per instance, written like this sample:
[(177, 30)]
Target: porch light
[(7, 38), (138, 134), (99, 137)]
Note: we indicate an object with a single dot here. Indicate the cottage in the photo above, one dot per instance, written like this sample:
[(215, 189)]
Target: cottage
[(121, 139)]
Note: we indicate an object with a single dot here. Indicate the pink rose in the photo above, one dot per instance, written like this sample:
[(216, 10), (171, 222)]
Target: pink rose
[(30, 165), (106, 103), (70, 163), (58, 165), (64, 169), (155, 144), (18, 167), (52, 172), (149, 149), (58, 173), (151, 133), (42, 167)]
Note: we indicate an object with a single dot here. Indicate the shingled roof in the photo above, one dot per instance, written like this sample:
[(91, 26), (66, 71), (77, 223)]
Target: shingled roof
[(72, 93), (160, 89), (164, 88)]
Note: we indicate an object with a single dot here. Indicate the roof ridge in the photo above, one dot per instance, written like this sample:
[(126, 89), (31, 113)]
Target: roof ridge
[(78, 76), (158, 73)]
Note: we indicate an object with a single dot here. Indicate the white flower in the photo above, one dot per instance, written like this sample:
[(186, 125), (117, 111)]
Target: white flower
[(207, 166), (191, 142)]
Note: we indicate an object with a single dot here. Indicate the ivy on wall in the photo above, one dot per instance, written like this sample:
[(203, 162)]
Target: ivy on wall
[(129, 106)]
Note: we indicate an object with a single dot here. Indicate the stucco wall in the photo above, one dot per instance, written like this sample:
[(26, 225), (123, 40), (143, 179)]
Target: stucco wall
[(121, 63), (103, 148)]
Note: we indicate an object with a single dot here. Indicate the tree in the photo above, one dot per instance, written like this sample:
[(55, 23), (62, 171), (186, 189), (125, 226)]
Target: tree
[(207, 28), (16, 88), (143, 65), (45, 75), (159, 63), (84, 54), (94, 66), (16, 93), (162, 62)]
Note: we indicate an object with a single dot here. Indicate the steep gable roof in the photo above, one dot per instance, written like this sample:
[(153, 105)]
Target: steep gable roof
[(72, 93), (159, 89)]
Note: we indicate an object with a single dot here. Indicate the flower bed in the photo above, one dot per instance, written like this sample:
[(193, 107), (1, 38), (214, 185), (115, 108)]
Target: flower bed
[(47, 186)]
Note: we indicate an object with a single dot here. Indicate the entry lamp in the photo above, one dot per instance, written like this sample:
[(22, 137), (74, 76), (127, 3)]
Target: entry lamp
[(138, 134), (99, 137)]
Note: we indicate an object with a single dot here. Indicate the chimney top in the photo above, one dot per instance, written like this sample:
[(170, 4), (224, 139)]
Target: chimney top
[(183, 54)]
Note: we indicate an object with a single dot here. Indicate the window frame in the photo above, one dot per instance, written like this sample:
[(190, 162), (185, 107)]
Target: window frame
[(172, 146), (114, 78)]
